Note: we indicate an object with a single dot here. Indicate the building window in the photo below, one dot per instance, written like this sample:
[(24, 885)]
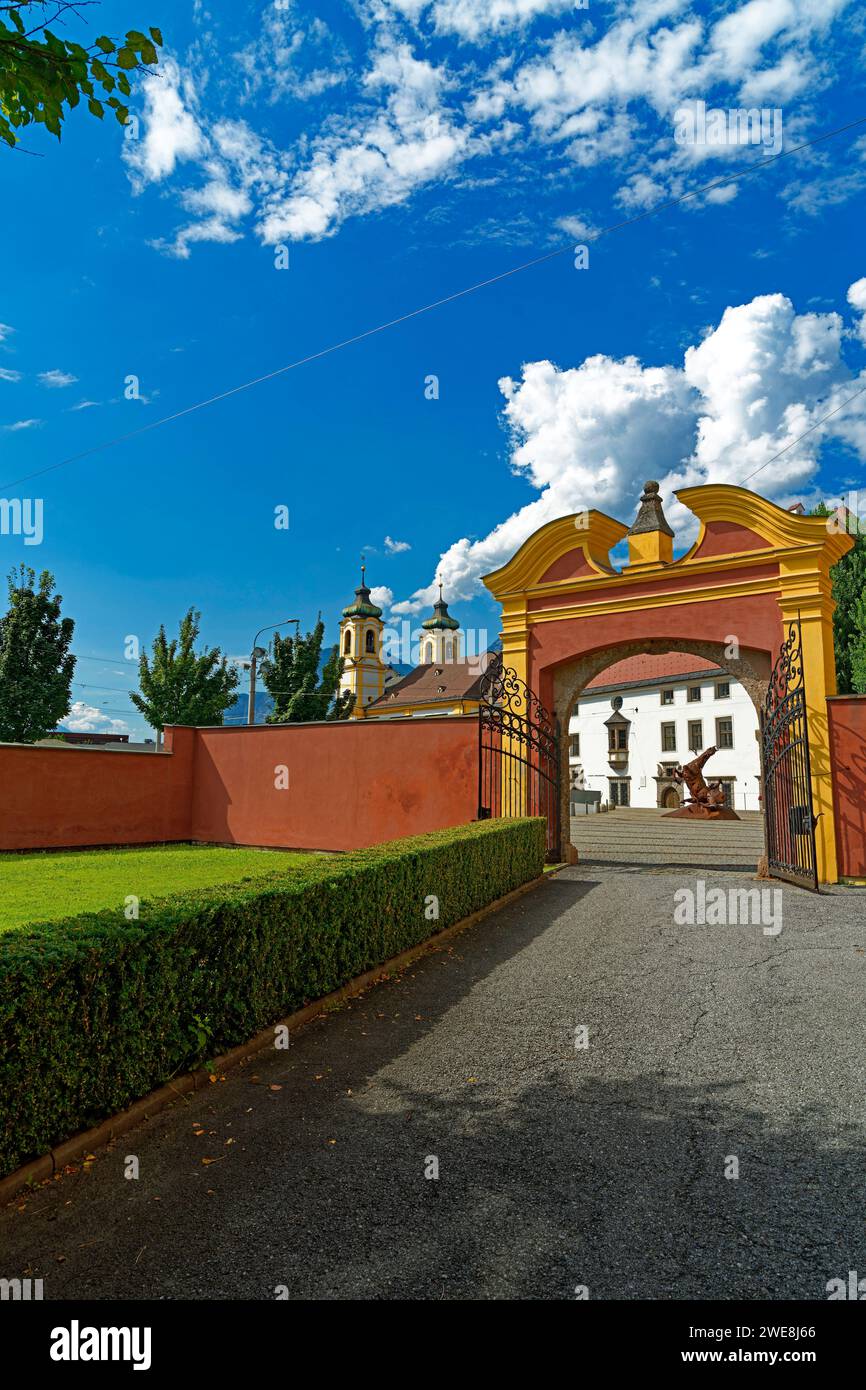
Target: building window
[(618, 791), (695, 694), (669, 738), (723, 690), (724, 733), (696, 735), (347, 641), (727, 786), (667, 697), (575, 746), (371, 640), (428, 652), (449, 651), (617, 738)]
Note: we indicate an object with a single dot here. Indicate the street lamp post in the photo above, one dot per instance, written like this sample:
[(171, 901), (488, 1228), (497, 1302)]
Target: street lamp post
[(257, 654)]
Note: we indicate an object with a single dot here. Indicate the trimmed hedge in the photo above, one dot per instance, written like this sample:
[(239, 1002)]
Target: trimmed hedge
[(96, 1011)]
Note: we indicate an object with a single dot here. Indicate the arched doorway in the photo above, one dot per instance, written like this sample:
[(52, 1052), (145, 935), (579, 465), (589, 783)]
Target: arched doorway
[(671, 799), (568, 611)]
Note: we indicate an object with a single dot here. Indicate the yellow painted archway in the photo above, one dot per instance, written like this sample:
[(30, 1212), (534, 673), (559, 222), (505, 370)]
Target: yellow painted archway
[(753, 569)]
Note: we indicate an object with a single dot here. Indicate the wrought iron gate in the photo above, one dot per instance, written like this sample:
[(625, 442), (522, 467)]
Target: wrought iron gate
[(789, 817), (518, 754)]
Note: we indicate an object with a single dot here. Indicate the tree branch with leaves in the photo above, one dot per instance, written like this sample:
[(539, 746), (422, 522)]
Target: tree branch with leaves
[(181, 686), (303, 688), (43, 76), (36, 665)]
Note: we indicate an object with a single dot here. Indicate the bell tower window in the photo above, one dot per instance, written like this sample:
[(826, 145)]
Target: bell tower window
[(370, 641), (347, 641)]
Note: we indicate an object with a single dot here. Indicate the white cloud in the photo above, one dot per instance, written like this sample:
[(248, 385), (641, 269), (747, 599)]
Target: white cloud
[(382, 596), (725, 193), (812, 195), (589, 436), (171, 131), (7, 374), (578, 227), (356, 168), (291, 58), (84, 405), (473, 20), (240, 167), (21, 425), (56, 379), (857, 300), (396, 547), (86, 719), (408, 117), (5, 330)]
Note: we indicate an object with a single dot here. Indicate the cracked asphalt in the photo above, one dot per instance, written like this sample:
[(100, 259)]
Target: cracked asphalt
[(558, 1166)]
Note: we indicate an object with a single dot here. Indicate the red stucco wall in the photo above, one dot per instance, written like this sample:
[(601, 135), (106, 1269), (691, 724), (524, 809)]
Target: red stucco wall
[(350, 785), (51, 798), (848, 755)]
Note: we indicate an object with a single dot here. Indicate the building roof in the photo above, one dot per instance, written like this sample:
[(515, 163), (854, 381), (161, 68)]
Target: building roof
[(657, 667), (435, 684), (362, 607), (441, 617)]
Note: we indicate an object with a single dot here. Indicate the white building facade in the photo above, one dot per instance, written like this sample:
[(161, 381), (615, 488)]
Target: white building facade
[(647, 715)]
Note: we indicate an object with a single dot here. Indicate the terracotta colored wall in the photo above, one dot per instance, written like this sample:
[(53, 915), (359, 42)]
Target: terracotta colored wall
[(753, 619), (847, 717), (350, 784), (53, 798)]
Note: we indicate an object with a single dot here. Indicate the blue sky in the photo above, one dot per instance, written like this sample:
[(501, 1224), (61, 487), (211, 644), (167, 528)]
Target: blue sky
[(400, 151)]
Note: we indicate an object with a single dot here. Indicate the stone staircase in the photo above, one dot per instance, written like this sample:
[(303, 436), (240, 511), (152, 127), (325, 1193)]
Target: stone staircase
[(628, 836)]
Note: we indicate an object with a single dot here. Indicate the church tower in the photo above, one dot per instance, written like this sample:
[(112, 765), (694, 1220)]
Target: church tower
[(361, 629), (441, 640)]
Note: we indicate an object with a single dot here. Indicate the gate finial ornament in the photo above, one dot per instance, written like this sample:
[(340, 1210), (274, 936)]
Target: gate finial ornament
[(650, 515), (650, 538)]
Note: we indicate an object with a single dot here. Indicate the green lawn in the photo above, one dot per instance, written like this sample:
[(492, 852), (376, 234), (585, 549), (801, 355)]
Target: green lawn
[(43, 887)]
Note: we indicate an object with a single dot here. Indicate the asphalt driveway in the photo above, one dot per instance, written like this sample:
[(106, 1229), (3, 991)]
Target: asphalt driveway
[(559, 1166)]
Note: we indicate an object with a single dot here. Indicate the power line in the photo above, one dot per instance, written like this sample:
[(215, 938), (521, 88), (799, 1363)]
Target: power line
[(110, 660), (435, 304), (117, 690), (105, 709), (83, 685), (805, 432)]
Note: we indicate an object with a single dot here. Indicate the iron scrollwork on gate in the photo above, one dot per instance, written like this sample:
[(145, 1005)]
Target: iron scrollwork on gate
[(787, 783), (518, 763)]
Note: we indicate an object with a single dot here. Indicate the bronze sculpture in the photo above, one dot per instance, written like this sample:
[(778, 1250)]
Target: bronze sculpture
[(707, 799)]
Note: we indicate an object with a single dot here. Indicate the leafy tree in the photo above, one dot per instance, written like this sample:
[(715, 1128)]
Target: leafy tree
[(180, 685), (291, 677), (849, 620), (43, 76), (857, 649), (36, 666)]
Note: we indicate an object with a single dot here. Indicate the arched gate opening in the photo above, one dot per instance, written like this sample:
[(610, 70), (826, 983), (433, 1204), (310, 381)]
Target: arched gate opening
[(753, 570)]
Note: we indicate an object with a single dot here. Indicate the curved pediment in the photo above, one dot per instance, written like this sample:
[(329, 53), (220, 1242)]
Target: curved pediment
[(735, 520), (572, 547)]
